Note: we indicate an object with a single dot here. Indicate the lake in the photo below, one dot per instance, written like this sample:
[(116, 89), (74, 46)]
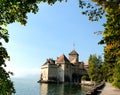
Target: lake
[(30, 86)]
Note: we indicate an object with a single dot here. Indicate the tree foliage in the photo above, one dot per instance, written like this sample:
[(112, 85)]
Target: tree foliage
[(111, 34), (111, 37), (16, 10), (94, 68), (92, 10), (6, 85), (116, 81), (13, 11)]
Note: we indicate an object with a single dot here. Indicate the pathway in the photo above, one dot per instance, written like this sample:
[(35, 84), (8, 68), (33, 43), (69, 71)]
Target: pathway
[(109, 90)]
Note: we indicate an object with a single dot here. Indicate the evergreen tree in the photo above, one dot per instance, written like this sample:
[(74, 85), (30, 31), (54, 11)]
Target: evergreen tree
[(94, 68)]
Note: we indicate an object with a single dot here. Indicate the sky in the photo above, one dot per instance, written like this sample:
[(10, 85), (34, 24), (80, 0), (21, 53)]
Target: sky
[(53, 31)]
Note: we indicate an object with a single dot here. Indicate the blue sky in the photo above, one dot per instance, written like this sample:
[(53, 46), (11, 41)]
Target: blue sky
[(50, 33)]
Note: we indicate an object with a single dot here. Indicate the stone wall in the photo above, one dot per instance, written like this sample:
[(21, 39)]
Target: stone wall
[(44, 73), (60, 71), (52, 73)]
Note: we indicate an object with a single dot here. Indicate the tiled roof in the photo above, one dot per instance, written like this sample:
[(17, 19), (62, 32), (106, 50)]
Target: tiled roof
[(73, 53), (62, 58), (51, 61)]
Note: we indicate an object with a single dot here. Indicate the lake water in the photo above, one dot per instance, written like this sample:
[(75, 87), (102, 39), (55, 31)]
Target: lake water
[(31, 87)]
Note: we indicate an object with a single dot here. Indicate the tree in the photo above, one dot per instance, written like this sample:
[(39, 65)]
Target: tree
[(111, 38), (16, 11), (10, 12), (93, 68), (6, 85), (13, 11), (111, 34)]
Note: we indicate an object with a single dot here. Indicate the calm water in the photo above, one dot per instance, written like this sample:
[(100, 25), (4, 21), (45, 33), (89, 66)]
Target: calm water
[(31, 87)]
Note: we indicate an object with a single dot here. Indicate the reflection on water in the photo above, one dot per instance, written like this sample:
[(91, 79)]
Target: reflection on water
[(60, 89)]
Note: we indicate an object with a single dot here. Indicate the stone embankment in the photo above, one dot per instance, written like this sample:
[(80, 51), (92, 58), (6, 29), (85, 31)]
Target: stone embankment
[(92, 88)]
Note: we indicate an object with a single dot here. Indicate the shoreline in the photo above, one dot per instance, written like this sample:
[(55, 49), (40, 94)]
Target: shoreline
[(93, 89), (102, 89)]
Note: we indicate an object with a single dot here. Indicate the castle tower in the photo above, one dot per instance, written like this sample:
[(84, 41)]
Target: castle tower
[(74, 57)]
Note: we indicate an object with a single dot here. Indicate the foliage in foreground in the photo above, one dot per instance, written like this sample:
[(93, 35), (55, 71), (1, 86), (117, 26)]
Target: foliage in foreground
[(111, 37), (6, 85), (16, 11), (13, 11)]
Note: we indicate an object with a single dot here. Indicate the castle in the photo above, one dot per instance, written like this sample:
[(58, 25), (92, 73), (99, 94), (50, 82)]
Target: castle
[(63, 69)]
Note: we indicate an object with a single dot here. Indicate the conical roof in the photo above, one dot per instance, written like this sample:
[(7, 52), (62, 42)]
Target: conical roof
[(62, 58), (73, 52)]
